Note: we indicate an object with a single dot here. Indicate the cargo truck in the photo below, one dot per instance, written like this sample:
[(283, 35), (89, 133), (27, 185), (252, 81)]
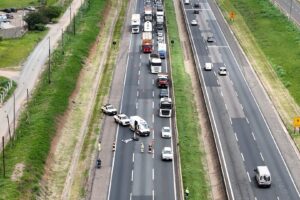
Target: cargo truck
[(155, 63), (162, 50), (162, 80), (135, 23), (147, 42), (148, 13)]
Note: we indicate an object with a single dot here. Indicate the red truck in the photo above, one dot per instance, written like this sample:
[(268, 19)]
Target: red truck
[(147, 42), (162, 80)]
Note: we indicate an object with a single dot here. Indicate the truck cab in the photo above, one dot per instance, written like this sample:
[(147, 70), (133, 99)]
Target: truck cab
[(162, 80)]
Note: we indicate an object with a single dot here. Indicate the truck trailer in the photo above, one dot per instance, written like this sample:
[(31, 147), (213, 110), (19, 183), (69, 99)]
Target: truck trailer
[(135, 23)]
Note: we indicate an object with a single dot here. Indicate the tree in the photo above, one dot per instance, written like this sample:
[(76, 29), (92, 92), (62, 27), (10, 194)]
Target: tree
[(34, 18), (51, 12)]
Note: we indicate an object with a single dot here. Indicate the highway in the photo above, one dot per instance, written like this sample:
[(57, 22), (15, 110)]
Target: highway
[(243, 137), (291, 8), (136, 175)]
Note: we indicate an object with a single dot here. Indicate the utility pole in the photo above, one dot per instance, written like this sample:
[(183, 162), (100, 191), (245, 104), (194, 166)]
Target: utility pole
[(74, 32), (3, 157), (291, 6), (8, 127), (49, 64), (62, 41), (15, 135)]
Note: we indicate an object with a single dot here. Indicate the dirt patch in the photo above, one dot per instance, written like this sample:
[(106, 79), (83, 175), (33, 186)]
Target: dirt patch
[(206, 137), (18, 172)]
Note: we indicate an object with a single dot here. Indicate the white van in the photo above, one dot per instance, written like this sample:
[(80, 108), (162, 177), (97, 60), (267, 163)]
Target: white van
[(263, 176), (208, 66), (139, 125)]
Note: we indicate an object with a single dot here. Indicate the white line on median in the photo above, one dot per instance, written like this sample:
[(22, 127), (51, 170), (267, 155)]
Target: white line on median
[(242, 156), (261, 156), (249, 177), (236, 138), (253, 136), (152, 173)]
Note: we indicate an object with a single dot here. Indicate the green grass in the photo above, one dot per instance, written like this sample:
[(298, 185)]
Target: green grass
[(191, 156), (22, 3), (48, 103), (278, 38), (14, 51)]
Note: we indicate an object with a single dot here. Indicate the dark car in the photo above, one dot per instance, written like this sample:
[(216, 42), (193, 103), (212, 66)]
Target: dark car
[(98, 163), (196, 5), (196, 11), (159, 27), (211, 39), (163, 93)]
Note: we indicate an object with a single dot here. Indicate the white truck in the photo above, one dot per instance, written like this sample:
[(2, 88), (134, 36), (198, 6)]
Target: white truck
[(135, 23), (147, 26), (148, 13), (165, 107), (139, 125), (162, 50), (159, 19), (155, 64)]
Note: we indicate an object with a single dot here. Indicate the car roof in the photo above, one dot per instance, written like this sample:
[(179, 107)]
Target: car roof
[(263, 170), (122, 115)]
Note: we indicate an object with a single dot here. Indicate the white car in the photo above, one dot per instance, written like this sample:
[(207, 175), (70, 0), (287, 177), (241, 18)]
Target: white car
[(122, 119), (167, 153), (194, 22), (222, 71), (109, 109), (208, 66), (166, 132)]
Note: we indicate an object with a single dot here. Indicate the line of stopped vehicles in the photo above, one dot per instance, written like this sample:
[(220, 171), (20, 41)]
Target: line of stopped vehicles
[(137, 124)]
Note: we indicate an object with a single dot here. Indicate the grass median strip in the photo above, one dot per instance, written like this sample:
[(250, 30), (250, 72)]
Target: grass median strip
[(187, 119), (48, 103)]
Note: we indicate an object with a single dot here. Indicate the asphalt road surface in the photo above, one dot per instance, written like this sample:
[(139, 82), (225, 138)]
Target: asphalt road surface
[(243, 137), (291, 8), (137, 175)]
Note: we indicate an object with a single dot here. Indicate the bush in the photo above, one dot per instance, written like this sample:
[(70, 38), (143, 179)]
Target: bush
[(51, 12), (37, 20), (34, 18)]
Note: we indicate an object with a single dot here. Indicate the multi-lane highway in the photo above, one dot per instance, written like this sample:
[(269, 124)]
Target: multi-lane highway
[(242, 135), (137, 175)]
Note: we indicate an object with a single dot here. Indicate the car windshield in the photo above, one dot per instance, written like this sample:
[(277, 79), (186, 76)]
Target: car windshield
[(167, 151), (166, 129), (123, 117), (109, 107)]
